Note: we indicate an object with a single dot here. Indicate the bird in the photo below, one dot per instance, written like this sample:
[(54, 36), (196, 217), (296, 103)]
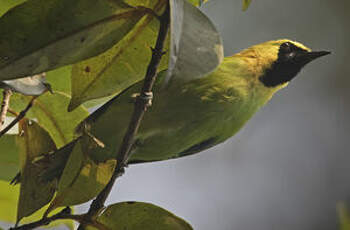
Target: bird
[(192, 116)]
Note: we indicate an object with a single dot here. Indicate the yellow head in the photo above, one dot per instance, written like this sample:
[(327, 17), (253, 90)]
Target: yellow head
[(278, 62)]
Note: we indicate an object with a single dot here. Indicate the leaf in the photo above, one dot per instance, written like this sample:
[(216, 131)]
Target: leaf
[(9, 157), (81, 174), (5, 5), (41, 35), (144, 3), (34, 141), (344, 216), (140, 216), (246, 4), (34, 85), (9, 196), (120, 66), (58, 161), (197, 2), (59, 79), (196, 47), (94, 103), (50, 112)]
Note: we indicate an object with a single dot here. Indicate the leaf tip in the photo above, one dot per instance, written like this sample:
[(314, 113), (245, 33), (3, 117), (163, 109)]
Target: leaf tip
[(246, 4)]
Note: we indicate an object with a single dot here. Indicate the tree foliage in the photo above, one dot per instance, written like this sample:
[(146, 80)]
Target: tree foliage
[(61, 57)]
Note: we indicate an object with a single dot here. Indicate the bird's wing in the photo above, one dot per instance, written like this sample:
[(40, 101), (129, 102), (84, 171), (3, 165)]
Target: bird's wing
[(196, 148)]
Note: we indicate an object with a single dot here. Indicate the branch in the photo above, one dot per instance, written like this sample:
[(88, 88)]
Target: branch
[(20, 116), (14, 113), (64, 214), (4, 105), (143, 101)]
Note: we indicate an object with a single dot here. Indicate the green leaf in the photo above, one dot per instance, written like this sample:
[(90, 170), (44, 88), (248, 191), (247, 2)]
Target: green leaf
[(196, 47), (59, 79), (9, 157), (344, 216), (246, 4), (81, 174), (41, 35), (34, 85), (97, 102), (5, 5), (140, 216), (197, 2), (9, 197), (120, 66), (34, 141), (50, 110), (144, 3)]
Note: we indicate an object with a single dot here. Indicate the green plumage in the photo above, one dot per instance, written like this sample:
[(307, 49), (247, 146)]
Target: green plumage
[(189, 117)]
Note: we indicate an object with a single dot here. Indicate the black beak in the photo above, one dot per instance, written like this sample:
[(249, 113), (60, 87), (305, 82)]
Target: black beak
[(307, 57), (317, 54)]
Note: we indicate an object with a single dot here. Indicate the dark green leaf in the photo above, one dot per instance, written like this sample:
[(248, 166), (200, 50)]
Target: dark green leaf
[(9, 157), (140, 216), (120, 66), (81, 174), (196, 46), (34, 141), (41, 35)]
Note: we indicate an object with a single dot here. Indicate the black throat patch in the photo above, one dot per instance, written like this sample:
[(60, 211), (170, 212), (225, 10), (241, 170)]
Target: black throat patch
[(286, 67)]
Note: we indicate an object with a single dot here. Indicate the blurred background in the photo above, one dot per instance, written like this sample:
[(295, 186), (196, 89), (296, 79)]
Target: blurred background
[(290, 166)]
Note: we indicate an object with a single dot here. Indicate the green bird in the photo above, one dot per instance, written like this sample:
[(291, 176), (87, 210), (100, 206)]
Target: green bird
[(189, 117)]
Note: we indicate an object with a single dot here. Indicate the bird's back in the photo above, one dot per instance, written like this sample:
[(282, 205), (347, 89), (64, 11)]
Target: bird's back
[(184, 118)]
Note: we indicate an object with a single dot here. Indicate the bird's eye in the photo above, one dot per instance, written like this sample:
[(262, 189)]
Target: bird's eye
[(287, 47)]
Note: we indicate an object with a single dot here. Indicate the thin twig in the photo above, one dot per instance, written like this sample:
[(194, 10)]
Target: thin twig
[(20, 116), (14, 113), (4, 105), (63, 215), (143, 101)]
